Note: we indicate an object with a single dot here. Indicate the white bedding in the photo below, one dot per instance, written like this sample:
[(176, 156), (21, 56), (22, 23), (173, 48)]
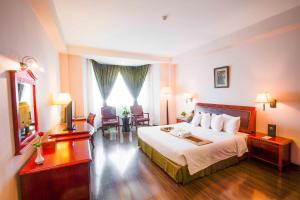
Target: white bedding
[(183, 152)]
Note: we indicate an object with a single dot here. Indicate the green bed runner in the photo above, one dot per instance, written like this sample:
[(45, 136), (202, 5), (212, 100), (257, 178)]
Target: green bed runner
[(178, 173)]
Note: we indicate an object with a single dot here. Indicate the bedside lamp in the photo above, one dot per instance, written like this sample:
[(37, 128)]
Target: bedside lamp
[(265, 98), (62, 99)]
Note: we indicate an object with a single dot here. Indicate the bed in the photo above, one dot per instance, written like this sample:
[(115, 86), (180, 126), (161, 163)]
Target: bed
[(184, 161)]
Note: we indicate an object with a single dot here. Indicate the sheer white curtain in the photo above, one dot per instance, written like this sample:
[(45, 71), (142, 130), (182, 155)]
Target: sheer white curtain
[(150, 94), (94, 99), (120, 95)]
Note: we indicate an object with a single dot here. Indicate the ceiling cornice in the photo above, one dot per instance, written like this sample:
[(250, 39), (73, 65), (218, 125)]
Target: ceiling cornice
[(90, 51)]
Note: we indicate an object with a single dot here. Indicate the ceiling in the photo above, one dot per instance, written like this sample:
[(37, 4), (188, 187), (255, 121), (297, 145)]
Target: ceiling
[(137, 26)]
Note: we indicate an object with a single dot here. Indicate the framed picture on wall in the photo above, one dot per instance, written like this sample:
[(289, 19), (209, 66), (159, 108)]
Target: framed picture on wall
[(221, 77)]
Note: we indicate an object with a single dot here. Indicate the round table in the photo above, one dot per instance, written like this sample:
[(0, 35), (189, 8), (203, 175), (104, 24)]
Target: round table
[(126, 127)]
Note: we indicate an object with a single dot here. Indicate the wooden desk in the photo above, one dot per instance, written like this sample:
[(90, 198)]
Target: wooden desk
[(65, 173), (275, 151), (83, 130)]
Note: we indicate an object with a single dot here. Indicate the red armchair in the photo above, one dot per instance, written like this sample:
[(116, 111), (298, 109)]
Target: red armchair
[(138, 116), (90, 119), (109, 118)]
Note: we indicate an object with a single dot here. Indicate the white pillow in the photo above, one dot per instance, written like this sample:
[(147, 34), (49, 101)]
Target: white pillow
[(205, 120), (217, 122), (196, 119), (231, 124)]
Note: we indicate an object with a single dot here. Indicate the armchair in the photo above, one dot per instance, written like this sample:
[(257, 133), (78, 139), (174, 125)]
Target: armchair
[(109, 118), (90, 119), (138, 116)]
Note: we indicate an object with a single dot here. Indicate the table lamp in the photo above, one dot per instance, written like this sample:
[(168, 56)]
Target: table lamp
[(62, 99)]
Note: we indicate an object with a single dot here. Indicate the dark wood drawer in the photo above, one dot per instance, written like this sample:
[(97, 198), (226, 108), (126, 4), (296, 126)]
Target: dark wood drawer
[(264, 145)]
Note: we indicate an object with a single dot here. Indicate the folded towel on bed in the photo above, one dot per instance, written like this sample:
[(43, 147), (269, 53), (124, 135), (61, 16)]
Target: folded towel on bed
[(180, 133)]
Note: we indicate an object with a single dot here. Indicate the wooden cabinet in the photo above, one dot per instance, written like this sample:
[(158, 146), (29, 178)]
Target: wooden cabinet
[(275, 150), (180, 119), (65, 173)]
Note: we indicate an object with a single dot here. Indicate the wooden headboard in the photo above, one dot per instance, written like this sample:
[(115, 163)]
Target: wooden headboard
[(247, 114)]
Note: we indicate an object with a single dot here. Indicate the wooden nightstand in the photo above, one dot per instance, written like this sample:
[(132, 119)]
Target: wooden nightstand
[(181, 119), (275, 151)]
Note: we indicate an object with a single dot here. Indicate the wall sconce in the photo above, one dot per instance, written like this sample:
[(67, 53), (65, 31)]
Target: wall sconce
[(29, 62), (266, 98), (188, 97)]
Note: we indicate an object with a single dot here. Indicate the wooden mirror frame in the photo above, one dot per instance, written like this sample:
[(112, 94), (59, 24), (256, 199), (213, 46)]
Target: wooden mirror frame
[(28, 78)]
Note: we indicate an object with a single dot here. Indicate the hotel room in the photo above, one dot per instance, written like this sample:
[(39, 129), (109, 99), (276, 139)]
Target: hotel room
[(161, 99)]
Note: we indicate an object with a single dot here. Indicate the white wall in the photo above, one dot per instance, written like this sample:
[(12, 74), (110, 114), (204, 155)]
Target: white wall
[(154, 91), (21, 35), (262, 57), (168, 79)]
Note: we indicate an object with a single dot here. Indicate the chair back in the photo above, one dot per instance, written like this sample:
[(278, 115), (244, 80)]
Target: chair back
[(91, 118), (108, 112), (137, 110)]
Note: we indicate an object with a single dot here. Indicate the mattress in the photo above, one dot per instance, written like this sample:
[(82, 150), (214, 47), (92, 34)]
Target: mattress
[(195, 157)]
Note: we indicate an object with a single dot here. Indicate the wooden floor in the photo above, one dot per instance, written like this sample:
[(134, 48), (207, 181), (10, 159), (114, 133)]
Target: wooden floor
[(121, 171)]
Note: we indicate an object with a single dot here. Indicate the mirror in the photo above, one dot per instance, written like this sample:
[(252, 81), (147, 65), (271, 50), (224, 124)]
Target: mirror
[(23, 108), (26, 111)]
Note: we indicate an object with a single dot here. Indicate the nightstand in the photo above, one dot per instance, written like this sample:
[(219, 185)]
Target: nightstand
[(181, 119), (275, 150)]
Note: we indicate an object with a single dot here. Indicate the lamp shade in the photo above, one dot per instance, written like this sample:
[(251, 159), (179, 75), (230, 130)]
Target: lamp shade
[(263, 98), (62, 99), (188, 95), (166, 91)]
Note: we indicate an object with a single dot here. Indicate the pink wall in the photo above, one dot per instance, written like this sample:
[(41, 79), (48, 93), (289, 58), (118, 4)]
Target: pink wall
[(64, 72), (263, 57), (72, 80), (21, 35)]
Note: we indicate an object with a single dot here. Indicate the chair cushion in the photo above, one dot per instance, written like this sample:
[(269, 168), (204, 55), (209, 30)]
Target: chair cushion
[(108, 112), (110, 121), (142, 119), (137, 110)]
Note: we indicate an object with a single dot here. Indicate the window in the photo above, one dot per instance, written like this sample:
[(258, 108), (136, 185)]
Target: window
[(120, 95)]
